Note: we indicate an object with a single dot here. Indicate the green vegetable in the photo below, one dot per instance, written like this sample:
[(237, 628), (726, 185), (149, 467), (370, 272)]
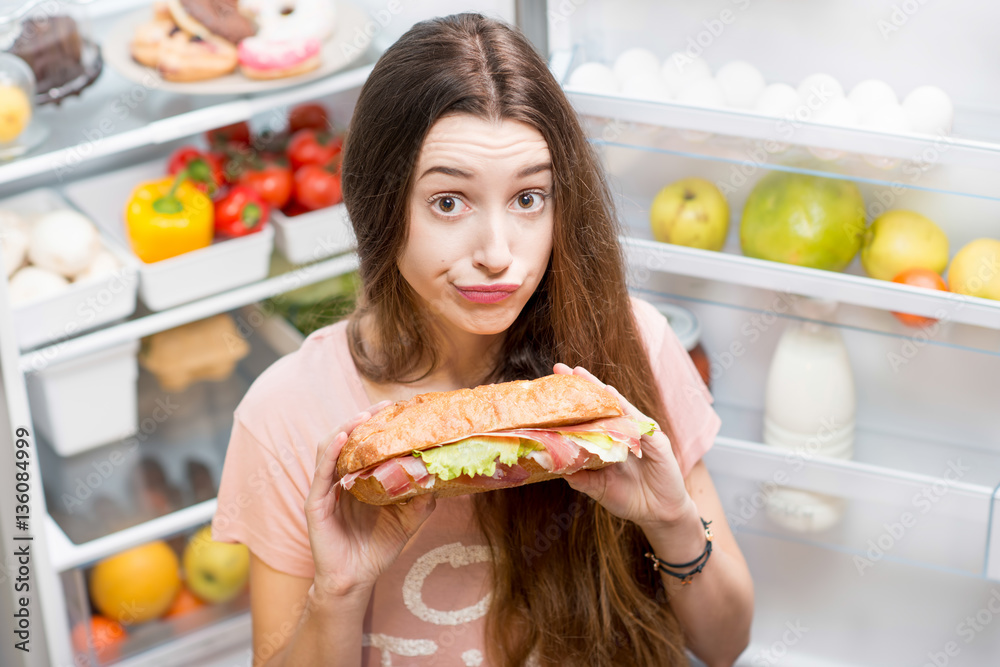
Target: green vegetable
[(475, 456)]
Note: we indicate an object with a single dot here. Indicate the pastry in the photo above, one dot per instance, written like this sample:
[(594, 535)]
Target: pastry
[(203, 350), (212, 18), (187, 57), (51, 46), (292, 19), (262, 58), (149, 38)]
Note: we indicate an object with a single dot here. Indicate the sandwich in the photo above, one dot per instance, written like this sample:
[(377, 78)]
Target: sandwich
[(490, 437)]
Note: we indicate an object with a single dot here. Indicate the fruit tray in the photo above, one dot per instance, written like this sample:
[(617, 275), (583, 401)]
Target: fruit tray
[(313, 235)]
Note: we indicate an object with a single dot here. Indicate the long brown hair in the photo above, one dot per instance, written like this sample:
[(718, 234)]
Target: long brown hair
[(570, 584)]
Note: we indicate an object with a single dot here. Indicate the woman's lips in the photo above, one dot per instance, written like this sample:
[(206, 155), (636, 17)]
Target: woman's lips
[(487, 293)]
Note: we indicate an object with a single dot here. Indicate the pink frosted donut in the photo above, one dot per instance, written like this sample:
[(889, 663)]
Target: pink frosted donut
[(262, 58)]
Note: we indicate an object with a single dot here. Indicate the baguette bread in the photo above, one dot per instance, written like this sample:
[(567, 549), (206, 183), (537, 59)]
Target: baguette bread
[(434, 418)]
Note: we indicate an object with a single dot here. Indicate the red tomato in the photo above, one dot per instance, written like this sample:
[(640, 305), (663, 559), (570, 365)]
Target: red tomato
[(919, 278), (237, 133), (205, 170), (271, 178), (317, 187), (312, 147), (242, 211), (308, 116)]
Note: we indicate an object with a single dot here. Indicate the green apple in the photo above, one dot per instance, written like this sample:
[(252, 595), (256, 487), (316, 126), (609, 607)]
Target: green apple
[(900, 240), (690, 212), (215, 571), (975, 269)]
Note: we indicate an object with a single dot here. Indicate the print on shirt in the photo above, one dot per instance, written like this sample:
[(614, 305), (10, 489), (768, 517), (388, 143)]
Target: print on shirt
[(457, 555)]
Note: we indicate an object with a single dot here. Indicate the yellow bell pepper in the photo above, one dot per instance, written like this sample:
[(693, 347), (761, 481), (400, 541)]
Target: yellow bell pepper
[(168, 217)]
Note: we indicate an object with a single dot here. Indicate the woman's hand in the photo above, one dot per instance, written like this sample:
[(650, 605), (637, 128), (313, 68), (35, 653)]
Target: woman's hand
[(352, 542), (648, 491)]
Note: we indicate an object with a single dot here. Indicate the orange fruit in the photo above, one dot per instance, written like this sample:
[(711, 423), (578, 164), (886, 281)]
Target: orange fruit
[(185, 602), (919, 278), (136, 585), (105, 636)]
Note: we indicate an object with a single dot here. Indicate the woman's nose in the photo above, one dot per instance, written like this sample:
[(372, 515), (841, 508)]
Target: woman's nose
[(493, 247)]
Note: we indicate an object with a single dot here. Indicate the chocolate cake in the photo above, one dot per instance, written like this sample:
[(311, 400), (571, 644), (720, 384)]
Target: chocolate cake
[(52, 48)]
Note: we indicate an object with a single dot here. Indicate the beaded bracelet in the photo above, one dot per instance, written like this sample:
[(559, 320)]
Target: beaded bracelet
[(660, 565)]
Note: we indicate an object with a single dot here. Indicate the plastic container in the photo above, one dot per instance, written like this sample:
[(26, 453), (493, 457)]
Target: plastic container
[(314, 235), (222, 266), (83, 305), (87, 402), (688, 330)]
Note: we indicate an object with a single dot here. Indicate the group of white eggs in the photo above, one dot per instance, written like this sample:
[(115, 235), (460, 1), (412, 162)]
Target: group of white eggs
[(43, 256), (820, 98)]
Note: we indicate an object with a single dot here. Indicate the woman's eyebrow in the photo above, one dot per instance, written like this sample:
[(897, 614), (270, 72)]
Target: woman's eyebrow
[(461, 173)]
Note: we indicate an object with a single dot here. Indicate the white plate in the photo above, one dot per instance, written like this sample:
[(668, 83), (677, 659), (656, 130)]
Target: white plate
[(193, 275), (338, 52)]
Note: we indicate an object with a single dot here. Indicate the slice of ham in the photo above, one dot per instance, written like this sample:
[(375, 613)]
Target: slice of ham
[(504, 476)]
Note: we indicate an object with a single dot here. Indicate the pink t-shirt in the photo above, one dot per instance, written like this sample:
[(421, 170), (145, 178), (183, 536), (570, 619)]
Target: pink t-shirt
[(428, 608)]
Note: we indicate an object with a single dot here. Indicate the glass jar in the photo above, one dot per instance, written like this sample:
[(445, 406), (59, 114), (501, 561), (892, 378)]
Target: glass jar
[(688, 330)]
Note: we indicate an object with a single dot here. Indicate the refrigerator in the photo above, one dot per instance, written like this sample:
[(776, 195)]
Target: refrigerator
[(902, 569)]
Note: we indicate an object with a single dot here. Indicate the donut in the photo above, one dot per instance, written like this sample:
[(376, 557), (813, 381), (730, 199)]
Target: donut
[(292, 19), (185, 57), (211, 18), (264, 58), (148, 39)]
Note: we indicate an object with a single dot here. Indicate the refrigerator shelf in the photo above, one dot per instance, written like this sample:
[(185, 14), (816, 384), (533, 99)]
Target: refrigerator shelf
[(729, 266), (116, 115), (946, 490), (147, 324)]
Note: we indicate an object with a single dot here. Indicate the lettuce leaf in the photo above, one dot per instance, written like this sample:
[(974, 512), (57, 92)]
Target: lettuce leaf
[(477, 455)]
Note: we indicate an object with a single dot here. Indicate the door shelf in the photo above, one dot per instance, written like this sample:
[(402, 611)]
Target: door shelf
[(648, 256), (944, 492)]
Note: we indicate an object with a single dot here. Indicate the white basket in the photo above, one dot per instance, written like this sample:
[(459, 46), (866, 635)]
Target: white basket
[(314, 235), (87, 402), (82, 305), (222, 266)]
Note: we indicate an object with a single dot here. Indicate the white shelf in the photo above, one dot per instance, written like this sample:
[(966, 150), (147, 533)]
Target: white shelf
[(728, 267), (196, 310), (750, 125)]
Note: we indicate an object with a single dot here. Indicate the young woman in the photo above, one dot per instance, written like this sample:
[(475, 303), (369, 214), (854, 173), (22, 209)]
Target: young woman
[(488, 249)]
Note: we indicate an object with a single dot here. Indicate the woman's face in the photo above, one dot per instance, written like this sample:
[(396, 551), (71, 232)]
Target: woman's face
[(480, 221)]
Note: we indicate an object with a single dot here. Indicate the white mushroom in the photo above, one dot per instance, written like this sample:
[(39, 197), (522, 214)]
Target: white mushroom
[(13, 241), (104, 264), (32, 283), (64, 242)]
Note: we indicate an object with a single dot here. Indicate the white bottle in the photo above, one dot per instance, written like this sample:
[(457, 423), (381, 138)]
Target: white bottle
[(809, 409)]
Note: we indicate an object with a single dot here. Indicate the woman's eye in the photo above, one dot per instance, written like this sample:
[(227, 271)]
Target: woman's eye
[(530, 201), (446, 204)]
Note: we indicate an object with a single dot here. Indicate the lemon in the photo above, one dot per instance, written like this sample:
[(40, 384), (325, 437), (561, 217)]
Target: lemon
[(975, 269), (900, 240), (15, 112)]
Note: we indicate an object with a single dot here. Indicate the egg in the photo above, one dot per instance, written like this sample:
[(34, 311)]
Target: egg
[(636, 62), (646, 88), (593, 78), (679, 70), (702, 93), (929, 110), (741, 83), (872, 93), (887, 118), (816, 90), (778, 99), (838, 111)]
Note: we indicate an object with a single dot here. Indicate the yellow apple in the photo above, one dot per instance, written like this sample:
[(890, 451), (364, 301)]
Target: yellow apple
[(690, 212), (975, 269), (215, 571), (901, 240)]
